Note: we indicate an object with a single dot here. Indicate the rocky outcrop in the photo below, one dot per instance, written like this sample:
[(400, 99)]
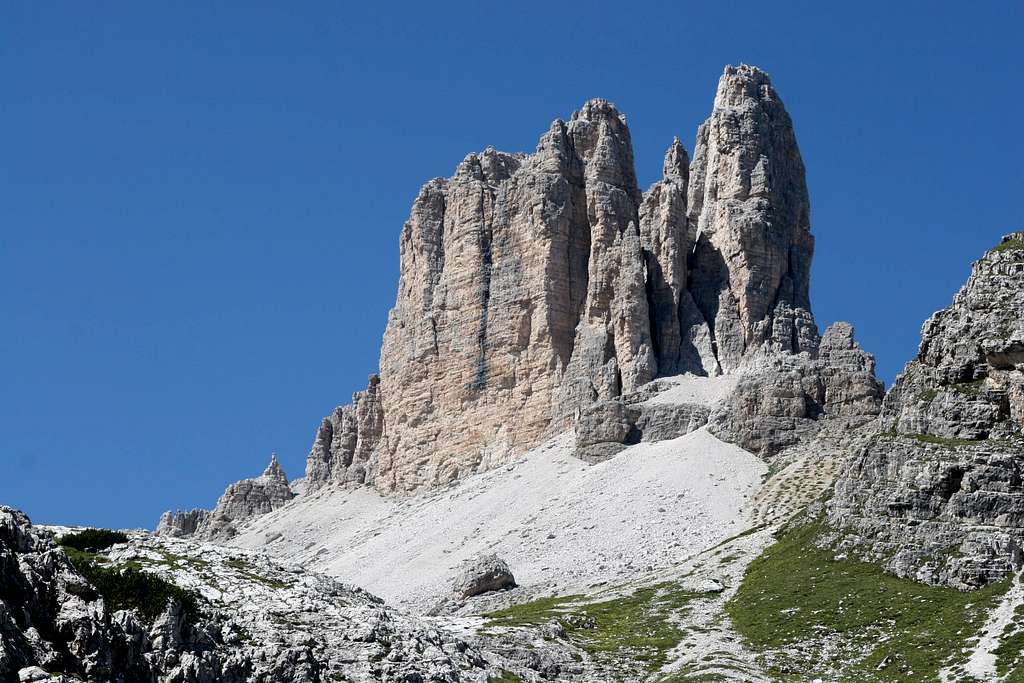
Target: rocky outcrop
[(483, 575), (521, 298), (346, 440), (605, 428), (937, 495), (51, 617), (318, 629), (182, 523), (683, 341), (242, 501), (793, 396), (747, 198)]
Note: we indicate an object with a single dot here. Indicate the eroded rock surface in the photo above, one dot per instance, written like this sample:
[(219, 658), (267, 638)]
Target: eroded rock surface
[(747, 198), (242, 501), (346, 440), (533, 286), (258, 620), (937, 495), (791, 397), (521, 298)]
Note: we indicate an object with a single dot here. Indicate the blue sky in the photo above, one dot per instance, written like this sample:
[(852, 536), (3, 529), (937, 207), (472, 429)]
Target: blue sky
[(200, 206)]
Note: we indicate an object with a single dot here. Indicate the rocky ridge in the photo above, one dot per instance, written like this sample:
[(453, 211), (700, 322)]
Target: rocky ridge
[(937, 494), (240, 502)]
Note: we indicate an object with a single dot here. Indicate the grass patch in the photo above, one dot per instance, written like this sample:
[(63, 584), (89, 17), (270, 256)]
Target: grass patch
[(968, 388), (92, 540), (246, 570), (796, 599), (942, 441), (1010, 651), (506, 677), (634, 628), (1012, 244)]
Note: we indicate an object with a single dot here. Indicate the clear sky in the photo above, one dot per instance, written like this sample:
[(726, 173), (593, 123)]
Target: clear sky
[(200, 206)]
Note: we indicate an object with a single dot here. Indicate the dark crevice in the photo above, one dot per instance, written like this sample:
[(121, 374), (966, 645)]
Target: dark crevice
[(950, 483), (706, 306), (484, 237)]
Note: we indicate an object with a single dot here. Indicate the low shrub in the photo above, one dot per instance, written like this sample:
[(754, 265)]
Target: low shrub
[(92, 540)]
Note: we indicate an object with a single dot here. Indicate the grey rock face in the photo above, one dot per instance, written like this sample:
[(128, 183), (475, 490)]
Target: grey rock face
[(322, 629), (180, 523), (483, 575), (522, 297), (532, 286), (346, 440), (682, 337), (606, 427), (242, 501), (788, 399), (751, 263), (937, 494)]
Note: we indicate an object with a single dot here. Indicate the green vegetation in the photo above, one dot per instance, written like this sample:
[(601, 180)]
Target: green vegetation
[(941, 441), (1010, 652), (126, 587), (132, 588), (247, 570), (92, 540), (798, 601), (507, 677), (634, 628), (968, 388), (1013, 244)]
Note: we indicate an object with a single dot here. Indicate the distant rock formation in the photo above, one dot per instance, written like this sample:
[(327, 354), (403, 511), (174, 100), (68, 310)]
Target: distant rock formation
[(241, 501), (747, 195), (937, 494), (182, 523), (532, 286)]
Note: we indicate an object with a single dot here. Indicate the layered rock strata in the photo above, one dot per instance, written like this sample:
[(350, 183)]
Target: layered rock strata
[(783, 402), (938, 493), (532, 286), (346, 440)]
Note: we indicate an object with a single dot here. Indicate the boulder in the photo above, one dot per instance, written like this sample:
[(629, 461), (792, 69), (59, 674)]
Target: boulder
[(483, 575)]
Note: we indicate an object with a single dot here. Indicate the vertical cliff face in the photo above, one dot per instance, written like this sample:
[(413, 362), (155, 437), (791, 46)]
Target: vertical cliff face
[(521, 297), (532, 286), (751, 261), (347, 440)]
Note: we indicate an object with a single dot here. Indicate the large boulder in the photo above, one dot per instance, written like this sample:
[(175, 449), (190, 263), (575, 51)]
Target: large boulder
[(483, 575)]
